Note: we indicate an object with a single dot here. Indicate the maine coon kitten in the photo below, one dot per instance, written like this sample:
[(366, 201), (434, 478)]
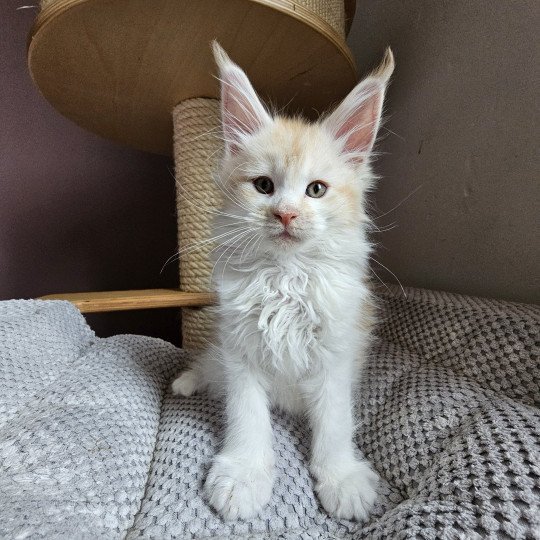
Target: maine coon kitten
[(294, 307)]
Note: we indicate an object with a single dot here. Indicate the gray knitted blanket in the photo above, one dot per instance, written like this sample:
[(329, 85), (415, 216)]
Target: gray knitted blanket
[(92, 444)]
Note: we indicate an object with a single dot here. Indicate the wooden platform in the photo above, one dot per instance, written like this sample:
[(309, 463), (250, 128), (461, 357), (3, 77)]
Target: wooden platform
[(96, 302), (118, 67)]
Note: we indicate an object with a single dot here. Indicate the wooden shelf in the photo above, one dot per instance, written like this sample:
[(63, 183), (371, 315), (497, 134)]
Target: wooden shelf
[(96, 302), (119, 67)]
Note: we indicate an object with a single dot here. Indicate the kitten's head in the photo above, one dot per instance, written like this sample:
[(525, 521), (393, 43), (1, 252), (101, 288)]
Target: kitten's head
[(293, 184)]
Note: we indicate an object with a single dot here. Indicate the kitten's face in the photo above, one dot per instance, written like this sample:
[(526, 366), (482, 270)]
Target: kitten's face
[(291, 181), (289, 184)]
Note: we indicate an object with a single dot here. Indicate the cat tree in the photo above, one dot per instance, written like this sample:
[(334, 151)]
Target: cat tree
[(140, 72)]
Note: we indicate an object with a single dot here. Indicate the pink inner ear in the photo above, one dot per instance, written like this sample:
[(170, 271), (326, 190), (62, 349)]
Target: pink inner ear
[(362, 120), (234, 121), (242, 112), (360, 129)]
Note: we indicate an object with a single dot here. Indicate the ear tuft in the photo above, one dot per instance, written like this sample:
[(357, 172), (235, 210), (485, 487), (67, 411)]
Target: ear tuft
[(386, 67), (356, 120), (220, 56), (242, 112)]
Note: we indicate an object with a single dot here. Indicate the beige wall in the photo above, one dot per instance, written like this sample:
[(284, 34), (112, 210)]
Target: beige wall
[(463, 125)]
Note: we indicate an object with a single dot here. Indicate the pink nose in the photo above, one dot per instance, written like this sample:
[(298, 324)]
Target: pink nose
[(285, 217)]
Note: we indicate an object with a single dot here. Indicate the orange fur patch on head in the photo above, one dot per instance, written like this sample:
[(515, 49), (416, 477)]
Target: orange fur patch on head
[(292, 135)]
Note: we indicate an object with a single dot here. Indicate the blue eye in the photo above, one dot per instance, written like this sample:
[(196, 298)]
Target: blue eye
[(264, 185), (316, 190)]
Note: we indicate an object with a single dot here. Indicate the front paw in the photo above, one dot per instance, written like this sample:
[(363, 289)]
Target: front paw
[(186, 383), (347, 492), (238, 489)]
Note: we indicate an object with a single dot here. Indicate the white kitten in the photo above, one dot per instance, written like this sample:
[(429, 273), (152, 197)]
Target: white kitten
[(295, 311)]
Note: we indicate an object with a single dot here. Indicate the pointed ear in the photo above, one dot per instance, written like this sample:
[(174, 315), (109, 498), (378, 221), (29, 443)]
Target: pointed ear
[(356, 120), (242, 112)]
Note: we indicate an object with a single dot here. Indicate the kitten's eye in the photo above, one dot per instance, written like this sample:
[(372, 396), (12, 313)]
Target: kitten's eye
[(264, 185), (316, 190)]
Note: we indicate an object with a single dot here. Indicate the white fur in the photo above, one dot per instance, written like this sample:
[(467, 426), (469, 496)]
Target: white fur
[(294, 316)]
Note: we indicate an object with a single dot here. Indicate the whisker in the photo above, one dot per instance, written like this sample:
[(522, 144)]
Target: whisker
[(227, 261), (401, 202), (393, 133), (215, 131), (227, 192), (377, 276), (255, 237), (258, 243), (384, 228), (227, 224), (223, 253), (212, 239), (199, 245), (209, 210), (390, 271)]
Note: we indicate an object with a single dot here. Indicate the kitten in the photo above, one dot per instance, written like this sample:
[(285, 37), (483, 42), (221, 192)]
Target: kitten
[(295, 311)]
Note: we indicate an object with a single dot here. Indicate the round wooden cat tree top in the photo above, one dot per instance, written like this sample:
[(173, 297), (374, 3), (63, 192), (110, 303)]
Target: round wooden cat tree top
[(118, 67)]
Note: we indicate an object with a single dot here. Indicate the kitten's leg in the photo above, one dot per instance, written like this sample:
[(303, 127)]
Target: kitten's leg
[(240, 481), (346, 484), (204, 370)]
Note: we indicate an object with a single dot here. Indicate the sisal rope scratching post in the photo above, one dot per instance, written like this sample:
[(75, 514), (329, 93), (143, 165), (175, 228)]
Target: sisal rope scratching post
[(120, 68), (197, 150), (331, 11)]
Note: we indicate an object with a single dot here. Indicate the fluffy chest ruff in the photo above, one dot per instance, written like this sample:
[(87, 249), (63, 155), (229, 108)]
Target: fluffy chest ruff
[(287, 318)]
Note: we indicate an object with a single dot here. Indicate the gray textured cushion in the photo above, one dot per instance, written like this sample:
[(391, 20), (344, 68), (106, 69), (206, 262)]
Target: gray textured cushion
[(92, 444), (79, 422)]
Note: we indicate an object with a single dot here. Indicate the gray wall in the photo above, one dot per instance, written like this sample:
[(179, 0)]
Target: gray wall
[(80, 213), (462, 131)]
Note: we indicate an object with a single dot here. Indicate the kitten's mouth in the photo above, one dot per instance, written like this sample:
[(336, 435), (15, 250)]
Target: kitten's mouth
[(286, 235)]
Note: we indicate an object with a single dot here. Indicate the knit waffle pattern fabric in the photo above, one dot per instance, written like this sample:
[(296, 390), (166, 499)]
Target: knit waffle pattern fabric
[(92, 444), (78, 422)]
